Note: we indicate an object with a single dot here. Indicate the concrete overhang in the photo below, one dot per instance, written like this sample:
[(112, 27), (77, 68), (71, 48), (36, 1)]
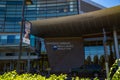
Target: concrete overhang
[(78, 25)]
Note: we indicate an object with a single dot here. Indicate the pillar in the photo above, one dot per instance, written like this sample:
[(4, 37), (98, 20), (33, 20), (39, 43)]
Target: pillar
[(116, 43)]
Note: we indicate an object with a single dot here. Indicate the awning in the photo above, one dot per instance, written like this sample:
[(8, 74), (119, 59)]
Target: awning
[(78, 25)]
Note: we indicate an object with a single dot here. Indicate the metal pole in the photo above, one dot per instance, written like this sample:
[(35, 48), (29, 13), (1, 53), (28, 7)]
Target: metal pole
[(116, 44), (21, 34), (106, 54), (28, 65)]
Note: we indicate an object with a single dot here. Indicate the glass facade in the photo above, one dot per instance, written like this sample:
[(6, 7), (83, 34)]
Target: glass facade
[(11, 11), (9, 39), (11, 15), (56, 8)]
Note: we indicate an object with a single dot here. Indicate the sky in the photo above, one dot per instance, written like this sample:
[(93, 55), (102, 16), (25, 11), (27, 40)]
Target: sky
[(108, 3)]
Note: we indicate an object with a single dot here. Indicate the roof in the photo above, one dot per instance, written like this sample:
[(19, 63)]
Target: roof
[(78, 25)]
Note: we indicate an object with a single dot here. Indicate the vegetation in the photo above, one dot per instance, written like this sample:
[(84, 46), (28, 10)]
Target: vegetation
[(115, 71), (113, 75), (116, 76), (95, 59), (27, 76), (88, 60), (100, 60)]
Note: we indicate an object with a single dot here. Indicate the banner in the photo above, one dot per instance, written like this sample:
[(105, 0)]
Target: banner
[(26, 38)]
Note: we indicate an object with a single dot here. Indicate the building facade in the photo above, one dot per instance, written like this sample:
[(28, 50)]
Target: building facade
[(11, 15)]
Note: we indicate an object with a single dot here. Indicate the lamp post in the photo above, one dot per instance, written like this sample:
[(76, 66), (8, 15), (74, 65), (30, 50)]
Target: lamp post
[(21, 33)]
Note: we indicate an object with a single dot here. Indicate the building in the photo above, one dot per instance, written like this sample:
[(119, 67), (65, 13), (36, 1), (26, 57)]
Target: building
[(10, 16), (67, 37)]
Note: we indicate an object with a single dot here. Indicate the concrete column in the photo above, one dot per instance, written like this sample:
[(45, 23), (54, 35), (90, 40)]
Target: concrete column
[(106, 54), (116, 43)]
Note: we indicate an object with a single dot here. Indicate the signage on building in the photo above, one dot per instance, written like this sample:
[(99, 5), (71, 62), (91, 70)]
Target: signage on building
[(60, 45), (26, 38)]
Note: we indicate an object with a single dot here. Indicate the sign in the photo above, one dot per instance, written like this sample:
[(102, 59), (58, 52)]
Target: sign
[(26, 38), (60, 45)]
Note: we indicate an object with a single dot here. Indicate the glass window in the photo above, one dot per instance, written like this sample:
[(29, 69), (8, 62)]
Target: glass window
[(10, 11), (14, 2), (3, 39), (17, 39), (0, 39), (32, 40), (9, 30), (10, 54), (10, 38)]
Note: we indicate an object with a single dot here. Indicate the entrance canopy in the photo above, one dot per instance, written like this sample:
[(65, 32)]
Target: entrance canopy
[(78, 25)]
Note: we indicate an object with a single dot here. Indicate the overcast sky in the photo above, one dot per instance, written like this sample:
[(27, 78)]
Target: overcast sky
[(108, 3)]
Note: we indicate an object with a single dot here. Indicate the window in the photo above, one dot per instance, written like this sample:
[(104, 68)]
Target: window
[(9, 54), (10, 38), (32, 40), (14, 2), (0, 39), (3, 39), (17, 38)]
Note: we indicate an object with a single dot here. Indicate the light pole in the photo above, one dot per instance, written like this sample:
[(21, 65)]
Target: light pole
[(21, 33)]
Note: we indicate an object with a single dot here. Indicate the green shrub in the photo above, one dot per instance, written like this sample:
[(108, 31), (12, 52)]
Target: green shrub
[(113, 69), (116, 76), (95, 78), (27, 76)]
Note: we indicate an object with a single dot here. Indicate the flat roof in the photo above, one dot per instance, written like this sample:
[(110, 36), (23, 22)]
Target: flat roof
[(78, 25)]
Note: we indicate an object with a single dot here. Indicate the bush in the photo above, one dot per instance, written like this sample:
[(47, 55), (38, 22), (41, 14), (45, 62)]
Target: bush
[(27, 76), (114, 68), (116, 76)]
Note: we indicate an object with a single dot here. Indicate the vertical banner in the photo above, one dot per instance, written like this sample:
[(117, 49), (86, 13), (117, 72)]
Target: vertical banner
[(26, 38)]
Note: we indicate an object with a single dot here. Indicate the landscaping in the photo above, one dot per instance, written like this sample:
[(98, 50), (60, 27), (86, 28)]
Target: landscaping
[(27, 76), (113, 75)]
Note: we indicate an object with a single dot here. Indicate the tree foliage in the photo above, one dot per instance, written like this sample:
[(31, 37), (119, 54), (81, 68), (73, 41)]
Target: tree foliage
[(88, 60), (102, 61), (95, 59)]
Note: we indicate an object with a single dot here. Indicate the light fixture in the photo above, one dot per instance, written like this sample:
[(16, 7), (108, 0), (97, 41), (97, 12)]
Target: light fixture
[(29, 2)]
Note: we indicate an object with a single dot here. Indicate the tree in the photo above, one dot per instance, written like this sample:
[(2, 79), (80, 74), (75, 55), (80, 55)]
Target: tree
[(88, 61), (111, 57), (95, 59), (102, 61)]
